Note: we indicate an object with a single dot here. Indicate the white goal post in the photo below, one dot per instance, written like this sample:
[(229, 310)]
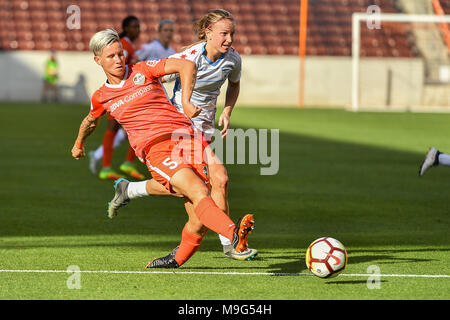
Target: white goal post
[(357, 18)]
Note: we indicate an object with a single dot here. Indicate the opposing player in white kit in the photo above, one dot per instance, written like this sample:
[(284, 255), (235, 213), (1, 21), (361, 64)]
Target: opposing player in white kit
[(216, 62), (156, 50), (434, 158), (159, 48)]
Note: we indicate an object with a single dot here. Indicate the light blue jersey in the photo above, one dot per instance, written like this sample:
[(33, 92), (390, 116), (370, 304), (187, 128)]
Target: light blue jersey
[(210, 78), (154, 51)]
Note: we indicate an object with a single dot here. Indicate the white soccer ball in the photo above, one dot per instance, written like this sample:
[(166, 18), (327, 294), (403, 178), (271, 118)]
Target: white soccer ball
[(326, 257)]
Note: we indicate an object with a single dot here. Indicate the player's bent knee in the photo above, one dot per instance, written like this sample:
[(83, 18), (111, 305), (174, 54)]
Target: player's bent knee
[(220, 180), (198, 193)]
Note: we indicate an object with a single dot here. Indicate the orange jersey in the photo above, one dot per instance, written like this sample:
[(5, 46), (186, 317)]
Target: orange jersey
[(129, 50), (140, 104)]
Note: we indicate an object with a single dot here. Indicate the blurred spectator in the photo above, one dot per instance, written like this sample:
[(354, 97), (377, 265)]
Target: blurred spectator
[(159, 48), (50, 79), (131, 30)]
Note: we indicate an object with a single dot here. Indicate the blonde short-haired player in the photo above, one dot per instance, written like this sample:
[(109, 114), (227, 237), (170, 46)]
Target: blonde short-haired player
[(216, 63), (157, 49), (134, 96), (114, 135)]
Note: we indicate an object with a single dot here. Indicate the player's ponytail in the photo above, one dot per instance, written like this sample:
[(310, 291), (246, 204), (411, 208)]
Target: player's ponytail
[(206, 22)]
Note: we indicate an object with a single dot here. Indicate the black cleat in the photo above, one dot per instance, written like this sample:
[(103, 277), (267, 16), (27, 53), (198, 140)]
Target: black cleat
[(167, 262)]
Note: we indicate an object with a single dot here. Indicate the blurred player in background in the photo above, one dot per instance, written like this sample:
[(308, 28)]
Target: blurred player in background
[(135, 97), (113, 136), (159, 48), (216, 62), (434, 158), (50, 79)]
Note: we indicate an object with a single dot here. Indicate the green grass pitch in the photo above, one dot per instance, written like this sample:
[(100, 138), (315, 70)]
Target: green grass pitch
[(351, 176)]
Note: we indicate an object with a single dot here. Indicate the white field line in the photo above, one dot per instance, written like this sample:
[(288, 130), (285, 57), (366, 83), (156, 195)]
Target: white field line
[(229, 273)]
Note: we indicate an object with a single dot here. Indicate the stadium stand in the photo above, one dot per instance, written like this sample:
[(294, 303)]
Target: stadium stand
[(264, 26)]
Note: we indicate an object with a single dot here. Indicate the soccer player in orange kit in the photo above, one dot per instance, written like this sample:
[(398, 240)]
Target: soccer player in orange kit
[(131, 31), (135, 97)]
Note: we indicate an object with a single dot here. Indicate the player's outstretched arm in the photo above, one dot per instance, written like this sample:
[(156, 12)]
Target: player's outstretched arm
[(188, 75), (87, 126), (230, 101)]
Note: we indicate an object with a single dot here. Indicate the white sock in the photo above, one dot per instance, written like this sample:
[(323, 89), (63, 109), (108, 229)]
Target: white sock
[(98, 154), (444, 159), (120, 137), (137, 189), (225, 241)]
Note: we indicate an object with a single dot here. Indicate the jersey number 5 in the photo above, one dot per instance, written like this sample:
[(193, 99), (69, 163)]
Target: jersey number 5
[(170, 163)]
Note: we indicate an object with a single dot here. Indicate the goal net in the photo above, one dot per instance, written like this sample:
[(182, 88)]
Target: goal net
[(400, 62)]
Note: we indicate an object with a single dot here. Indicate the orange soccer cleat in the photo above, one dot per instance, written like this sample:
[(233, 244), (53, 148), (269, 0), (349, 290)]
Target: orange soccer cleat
[(243, 229)]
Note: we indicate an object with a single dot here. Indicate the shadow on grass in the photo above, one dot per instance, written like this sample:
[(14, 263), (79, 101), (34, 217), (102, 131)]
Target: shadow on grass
[(387, 259), (401, 250), (298, 263), (360, 194)]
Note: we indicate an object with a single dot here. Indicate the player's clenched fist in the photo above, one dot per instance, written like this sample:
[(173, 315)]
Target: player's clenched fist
[(78, 151)]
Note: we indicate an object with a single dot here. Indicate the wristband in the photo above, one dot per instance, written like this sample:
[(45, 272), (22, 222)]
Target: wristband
[(79, 145)]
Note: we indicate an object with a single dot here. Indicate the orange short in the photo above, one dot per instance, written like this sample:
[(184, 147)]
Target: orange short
[(166, 157)]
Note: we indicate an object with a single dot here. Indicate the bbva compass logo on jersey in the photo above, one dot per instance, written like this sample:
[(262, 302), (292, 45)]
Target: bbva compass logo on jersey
[(139, 79)]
